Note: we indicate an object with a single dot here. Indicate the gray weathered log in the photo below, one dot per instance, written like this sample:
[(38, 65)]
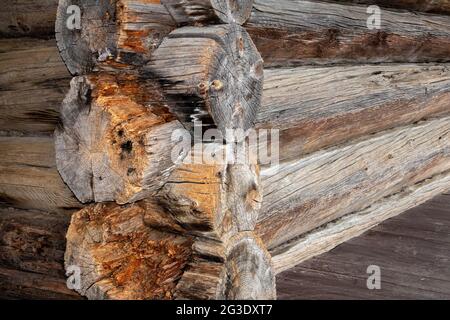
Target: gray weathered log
[(431, 6), (33, 81), (316, 108), (329, 236), (115, 140), (297, 197), (294, 32), (111, 32), (210, 74), (29, 18), (29, 178), (204, 12)]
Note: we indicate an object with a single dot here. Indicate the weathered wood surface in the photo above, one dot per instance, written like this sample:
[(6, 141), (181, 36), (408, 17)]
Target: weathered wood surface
[(122, 258), (410, 249), (29, 178), (204, 12), (431, 6), (33, 81), (115, 139), (316, 108), (210, 74), (28, 18), (123, 31), (303, 194), (294, 32), (331, 235), (33, 241), (16, 284)]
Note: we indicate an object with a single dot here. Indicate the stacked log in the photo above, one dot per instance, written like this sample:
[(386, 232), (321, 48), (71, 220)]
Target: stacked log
[(358, 144)]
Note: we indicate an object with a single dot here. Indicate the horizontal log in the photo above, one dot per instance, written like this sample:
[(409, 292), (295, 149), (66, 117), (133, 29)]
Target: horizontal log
[(30, 18), (431, 6), (33, 241), (28, 176), (115, 138), (33, 82), (316, 108), (297, 197), (294, 32), (329, 236)]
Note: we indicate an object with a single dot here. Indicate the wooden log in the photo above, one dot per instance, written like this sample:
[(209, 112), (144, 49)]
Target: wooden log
[(33, 241), (16, 284), (210, 74), (316, 108), (298, 199), (29, 178), (33, 81), (431, 6), (31, 18), (329, 236), (295, 32), (115, 141), (120, 257), (124, 31), (204, 12)]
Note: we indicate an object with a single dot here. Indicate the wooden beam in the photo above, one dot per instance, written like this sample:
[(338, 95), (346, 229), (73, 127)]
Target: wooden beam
[(297, 197), (29, 178), (431, 6), (297, 32), (320, 107), (210, 74), (205, 12), (110, 33), (33, 81), (115, 138), (31, 18), (329, 236)]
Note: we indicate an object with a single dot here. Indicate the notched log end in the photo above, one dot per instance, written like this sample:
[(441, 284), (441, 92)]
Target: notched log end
[(120, 257)]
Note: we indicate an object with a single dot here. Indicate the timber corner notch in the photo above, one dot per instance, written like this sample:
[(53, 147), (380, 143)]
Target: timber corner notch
[(154, 228)]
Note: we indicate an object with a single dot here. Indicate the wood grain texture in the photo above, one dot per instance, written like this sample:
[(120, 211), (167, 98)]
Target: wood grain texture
[(330, 235), (212, 74), (204, 12), (294, 32), (33, 241), (319, 107), (297, 197), (28, 18), (33, 81), (111, 32), (431, 6), (120, 257), (411, 250), (29, 178), (115, 139)]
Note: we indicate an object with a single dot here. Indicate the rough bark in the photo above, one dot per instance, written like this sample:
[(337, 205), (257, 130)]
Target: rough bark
[(114, 143), (297, 197), (317, 108), (210, 74), (329, 236), (203, 12), (295, 32), (124, 31)]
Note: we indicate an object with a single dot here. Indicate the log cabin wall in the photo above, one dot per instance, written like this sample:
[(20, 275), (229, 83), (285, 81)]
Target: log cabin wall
[(364, 135)]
